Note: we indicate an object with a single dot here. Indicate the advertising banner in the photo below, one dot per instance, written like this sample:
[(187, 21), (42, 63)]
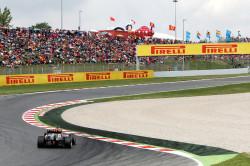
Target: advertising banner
[(194, 49), (20, 80), (137, 74), (98, 76), (34, 79)]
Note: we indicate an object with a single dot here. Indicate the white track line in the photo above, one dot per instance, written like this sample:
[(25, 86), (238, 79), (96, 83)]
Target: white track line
[(120, 86)]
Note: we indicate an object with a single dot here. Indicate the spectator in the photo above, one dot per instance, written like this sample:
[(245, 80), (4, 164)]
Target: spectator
[(23, 46)]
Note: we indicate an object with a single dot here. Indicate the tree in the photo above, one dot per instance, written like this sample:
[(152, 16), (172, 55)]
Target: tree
[(42, 25), (5, 17)]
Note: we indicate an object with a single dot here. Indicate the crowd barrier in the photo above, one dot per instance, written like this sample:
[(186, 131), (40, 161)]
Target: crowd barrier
[(34, 79)]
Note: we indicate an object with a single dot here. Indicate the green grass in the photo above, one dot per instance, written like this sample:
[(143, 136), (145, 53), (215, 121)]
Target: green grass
[(6, 90), (228, 89), (215, 159), (240, 160)]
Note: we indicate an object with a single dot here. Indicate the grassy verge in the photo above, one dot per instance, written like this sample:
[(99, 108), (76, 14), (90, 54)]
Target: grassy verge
[(64, 86), (240, 160), (215, 159), (228, 89)]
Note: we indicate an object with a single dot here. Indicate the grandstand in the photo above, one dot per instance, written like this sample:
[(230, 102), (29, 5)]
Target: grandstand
[(27, 50)]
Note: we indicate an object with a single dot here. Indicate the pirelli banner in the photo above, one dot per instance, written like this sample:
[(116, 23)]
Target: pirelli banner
[(33, 79), (193, 49)]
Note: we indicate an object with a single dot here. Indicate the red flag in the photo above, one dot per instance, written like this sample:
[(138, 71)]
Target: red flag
[(133, 21), (152, 25), (112, 19), (172, 28)]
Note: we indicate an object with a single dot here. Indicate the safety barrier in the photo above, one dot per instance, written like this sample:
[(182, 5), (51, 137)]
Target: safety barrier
[(34, 79), (190, 73)]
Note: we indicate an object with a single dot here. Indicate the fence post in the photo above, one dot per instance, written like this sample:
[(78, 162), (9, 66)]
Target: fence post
[(137, 63), (137, 60)]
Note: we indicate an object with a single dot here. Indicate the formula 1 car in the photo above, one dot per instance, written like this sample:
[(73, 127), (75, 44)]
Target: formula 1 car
[(56, 138)]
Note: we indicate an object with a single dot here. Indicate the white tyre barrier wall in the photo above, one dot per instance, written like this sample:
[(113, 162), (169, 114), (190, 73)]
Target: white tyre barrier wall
[(201, 72)]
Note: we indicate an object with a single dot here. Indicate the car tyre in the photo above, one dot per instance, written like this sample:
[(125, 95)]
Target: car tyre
[(68, 142), (73, 139), (40, 142)]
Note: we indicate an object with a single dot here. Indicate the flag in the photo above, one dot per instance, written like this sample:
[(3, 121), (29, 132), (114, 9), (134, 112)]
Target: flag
[(172, 27), (239, 34), (198, 35), (228, 35), (152, 25), (188, 36), (208, 35), (112, 19), (133, 22), (218, 34)]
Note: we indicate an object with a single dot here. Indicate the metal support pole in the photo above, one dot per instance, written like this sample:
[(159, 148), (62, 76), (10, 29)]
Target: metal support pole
[(183, 30), (80, 20), (175, 19), (61, 14), (183, 38), (183, 63), (137, 63)]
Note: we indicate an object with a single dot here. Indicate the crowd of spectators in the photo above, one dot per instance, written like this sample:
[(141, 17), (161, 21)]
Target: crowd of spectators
[(24, 46)]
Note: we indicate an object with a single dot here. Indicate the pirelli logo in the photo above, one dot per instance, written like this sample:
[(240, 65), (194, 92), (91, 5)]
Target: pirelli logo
[(20, 80), (168, 50), (135, 75), (98, 76), (57, 78), (220, 49)]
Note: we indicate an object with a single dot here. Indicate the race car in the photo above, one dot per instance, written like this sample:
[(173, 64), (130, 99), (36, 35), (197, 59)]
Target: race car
[(56, 138)]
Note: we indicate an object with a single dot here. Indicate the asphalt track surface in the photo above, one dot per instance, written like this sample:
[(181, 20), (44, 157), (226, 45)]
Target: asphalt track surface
[(18, 139)]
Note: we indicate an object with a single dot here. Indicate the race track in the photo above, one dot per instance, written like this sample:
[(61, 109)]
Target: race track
[(18, 140)]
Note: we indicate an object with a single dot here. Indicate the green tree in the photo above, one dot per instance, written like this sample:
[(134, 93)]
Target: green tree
[(42, 25), (5, 17)]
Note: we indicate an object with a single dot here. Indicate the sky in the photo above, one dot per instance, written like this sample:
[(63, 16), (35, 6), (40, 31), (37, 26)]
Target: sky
[(201, 15)]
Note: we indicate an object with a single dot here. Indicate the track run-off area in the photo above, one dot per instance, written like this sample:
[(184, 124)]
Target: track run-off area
[(18, 139)]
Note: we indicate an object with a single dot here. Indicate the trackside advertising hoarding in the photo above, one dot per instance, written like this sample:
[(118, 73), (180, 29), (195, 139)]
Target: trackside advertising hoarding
[(34, 79), (193, 49)]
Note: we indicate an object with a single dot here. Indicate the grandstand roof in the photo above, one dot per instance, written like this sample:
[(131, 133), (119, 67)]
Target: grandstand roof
[(163, 36)]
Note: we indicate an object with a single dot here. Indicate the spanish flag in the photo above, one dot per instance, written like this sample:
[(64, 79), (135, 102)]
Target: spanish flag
[(218, 34)]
